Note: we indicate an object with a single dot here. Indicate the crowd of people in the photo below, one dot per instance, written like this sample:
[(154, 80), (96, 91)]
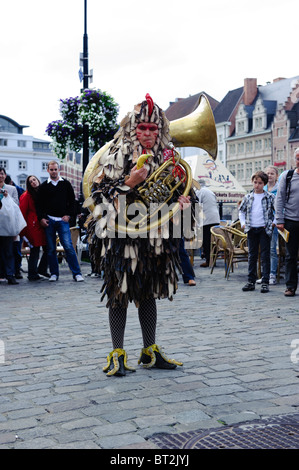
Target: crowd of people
[(140, 269), (34, 218), (272, 207)]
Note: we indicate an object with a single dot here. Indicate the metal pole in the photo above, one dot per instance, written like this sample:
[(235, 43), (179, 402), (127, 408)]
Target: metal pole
[(85, 86)]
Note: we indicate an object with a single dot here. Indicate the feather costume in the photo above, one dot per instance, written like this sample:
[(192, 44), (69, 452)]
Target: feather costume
[(138, 268)]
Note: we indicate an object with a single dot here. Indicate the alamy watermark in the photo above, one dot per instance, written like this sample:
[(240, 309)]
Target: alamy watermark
[(295, 352), (142, 220), (2, 352)]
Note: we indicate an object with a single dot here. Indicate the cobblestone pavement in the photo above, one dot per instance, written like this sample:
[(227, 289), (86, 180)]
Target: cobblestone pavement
[(240, 353)]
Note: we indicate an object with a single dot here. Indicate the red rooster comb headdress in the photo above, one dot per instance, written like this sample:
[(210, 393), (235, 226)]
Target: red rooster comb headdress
[(150, 104)]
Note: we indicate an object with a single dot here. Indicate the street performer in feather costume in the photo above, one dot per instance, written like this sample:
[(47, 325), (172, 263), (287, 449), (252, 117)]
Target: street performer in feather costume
[(136, 269)]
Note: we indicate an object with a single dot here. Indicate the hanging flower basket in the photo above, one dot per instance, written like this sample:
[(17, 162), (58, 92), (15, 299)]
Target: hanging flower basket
[(93, 108)]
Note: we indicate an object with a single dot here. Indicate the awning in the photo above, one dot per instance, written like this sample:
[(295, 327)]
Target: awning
[(215, 176)]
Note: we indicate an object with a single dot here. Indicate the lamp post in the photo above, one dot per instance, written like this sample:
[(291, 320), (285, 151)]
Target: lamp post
[(85, 86)]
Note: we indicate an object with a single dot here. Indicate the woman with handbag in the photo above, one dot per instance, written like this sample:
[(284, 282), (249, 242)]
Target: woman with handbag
[(33, 232)]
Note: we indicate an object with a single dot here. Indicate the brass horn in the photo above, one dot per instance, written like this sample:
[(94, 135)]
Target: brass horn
[(195, 130)]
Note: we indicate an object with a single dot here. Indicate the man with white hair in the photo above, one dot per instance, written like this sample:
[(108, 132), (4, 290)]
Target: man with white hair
[(287, 216)]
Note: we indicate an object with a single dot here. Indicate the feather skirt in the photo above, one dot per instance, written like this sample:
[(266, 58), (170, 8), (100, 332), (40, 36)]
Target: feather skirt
[(136, 269)]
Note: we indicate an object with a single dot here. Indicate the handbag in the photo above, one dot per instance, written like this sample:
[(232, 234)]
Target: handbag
[(12, 221)]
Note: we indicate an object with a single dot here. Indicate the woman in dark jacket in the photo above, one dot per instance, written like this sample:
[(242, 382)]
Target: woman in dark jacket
[(33, 232)]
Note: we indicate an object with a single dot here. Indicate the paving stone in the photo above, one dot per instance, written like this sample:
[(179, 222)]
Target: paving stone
[(236, 349)]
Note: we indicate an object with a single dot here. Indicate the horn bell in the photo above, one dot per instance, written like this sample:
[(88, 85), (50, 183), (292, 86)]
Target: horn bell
[(198, 129)]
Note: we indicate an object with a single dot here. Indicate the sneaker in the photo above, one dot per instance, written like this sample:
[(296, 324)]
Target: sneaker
[(53, 278), (44, 274), (264, 288), (259, 281), (248, 286), (272, 280), (78, 278)]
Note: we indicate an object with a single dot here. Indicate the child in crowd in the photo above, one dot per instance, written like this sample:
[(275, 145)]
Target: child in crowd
[(257, 218)]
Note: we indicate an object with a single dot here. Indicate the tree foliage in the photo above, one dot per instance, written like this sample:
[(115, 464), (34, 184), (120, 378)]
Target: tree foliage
[(93, 108)]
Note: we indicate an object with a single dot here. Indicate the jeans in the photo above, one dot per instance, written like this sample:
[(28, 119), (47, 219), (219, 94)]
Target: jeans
[(7, 256), (63, 230), (206, 241), (257, 237), (186, 265), (33, 269), (291, 274), (273, 252)]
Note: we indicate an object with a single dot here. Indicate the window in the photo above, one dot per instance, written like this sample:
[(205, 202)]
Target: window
[(249, 146), (232, 169), (3, 142), (41, 146), (279, 131), (22, 183), (267, 163), (240, 148), (240, 171), (4, 164), (257, 166), (258, 144), (241, 126), (232, 149), (22, 143), (248, 170), (44, 166), (22, 165), (258, 123)]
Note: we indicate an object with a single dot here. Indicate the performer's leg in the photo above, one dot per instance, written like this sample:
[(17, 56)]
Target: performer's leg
[(151, 354), (147, 312), (117, 359), (117, 321)]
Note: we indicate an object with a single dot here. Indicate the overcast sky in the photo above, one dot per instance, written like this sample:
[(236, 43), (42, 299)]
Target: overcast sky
[(168, 48)]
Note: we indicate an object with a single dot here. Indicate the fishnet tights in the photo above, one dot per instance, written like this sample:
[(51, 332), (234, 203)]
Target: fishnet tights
[(147, 313)]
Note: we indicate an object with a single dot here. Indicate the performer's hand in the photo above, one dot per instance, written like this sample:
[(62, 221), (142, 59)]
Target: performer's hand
[(136, 176), (184, 202)]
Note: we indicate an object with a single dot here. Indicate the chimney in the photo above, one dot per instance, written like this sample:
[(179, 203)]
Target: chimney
[(278, 79), (250, 90)]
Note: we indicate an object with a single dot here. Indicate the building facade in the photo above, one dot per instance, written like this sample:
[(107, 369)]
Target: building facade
[(266, 129), (23, 155)]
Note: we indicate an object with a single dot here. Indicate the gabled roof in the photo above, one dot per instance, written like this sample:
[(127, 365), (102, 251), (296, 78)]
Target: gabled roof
[(295, 134), (226, 107), (184, 106), (278, 90)]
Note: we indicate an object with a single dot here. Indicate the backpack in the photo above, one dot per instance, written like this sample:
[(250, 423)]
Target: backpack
[(288, 183)]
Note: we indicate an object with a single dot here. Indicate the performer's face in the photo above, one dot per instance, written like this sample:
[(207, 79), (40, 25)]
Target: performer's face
[(147, 134)]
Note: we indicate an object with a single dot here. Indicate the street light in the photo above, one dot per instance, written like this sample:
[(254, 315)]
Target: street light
[(85, 86)]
